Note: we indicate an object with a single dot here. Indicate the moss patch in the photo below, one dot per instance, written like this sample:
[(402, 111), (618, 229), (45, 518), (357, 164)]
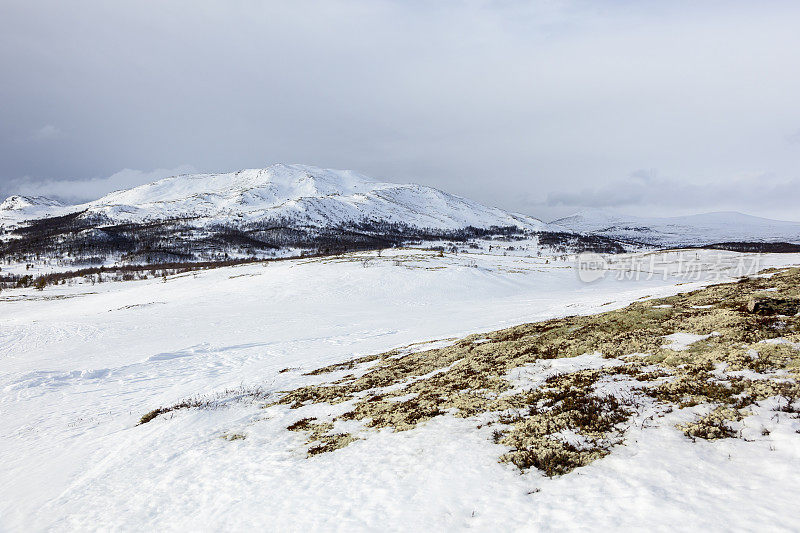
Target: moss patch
[(401, 390)]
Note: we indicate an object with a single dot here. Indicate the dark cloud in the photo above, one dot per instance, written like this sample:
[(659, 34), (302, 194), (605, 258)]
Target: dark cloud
[(504, 101)]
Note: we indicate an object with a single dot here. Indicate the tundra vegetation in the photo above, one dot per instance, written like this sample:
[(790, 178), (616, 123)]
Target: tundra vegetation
[(587, 377)]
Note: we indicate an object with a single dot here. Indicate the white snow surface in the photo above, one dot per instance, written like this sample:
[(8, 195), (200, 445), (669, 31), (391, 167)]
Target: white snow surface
[(18, 208), (534, 375), (699, 229), (681, 340), (81, 364), (301, 194)]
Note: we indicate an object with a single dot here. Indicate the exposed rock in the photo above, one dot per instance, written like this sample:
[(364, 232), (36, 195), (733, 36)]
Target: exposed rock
[(774, 306)]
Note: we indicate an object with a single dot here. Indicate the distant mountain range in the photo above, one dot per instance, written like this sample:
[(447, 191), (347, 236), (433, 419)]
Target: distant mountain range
[(693, 230), (282, 209), (296, 194), (290, 209)]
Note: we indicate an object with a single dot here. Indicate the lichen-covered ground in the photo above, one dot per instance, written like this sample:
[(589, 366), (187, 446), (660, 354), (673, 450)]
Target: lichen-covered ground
[(561, 393)]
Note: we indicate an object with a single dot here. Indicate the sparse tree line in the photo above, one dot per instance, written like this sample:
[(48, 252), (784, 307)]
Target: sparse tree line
[(78, 240), (567, 243), (755, 247), (179, 245), (113, 273)]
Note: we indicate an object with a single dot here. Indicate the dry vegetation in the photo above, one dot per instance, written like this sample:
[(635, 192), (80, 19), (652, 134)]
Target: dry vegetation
[(570, 418)]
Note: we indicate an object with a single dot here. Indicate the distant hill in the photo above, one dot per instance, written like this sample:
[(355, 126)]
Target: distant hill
[(693, 230), (17, 208)]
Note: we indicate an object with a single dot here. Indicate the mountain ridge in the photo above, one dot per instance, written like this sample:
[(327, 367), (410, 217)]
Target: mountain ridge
[(299, 193), (278, 211), (300, 206), (697, 229)]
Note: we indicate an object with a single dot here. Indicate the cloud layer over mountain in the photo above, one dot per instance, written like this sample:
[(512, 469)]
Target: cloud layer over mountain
[(516, 104)]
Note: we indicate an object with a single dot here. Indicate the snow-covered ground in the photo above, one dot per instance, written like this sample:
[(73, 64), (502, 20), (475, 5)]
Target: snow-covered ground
[(81, 364)]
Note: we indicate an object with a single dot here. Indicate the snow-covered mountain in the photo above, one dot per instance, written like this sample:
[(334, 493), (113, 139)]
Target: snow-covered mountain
[(18, 208), (323, 210), (276, 211), (700, 229), (303, 195)]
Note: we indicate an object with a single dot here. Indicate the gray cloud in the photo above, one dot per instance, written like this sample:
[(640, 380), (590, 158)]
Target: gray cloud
[(503, 101), (46, 132), (76, 191), (646, 193)]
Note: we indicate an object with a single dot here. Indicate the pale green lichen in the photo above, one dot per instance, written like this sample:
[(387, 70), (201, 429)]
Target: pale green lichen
[(401, 389)]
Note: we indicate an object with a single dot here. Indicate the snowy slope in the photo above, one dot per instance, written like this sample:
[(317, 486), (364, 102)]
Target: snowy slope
[(18, 208), (685, 230), (301, 194), (82, 363)]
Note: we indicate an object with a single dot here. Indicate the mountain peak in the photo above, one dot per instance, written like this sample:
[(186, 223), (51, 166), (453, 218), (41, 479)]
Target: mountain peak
[(301, 194), (18, 202), (267, 186), (594, 214)]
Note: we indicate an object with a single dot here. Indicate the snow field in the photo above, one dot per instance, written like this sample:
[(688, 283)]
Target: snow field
[(81, 364)]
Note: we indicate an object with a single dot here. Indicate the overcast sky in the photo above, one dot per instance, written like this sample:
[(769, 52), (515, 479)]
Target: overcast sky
[(540, 107)]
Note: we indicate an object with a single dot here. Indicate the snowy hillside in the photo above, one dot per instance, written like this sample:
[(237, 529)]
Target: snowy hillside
[(82, 364), (279, 211), (304, 195), (291, 210), (18, 208), (685, 230)]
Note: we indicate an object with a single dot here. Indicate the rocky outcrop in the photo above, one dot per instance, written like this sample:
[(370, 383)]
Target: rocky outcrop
[(774, 306)]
